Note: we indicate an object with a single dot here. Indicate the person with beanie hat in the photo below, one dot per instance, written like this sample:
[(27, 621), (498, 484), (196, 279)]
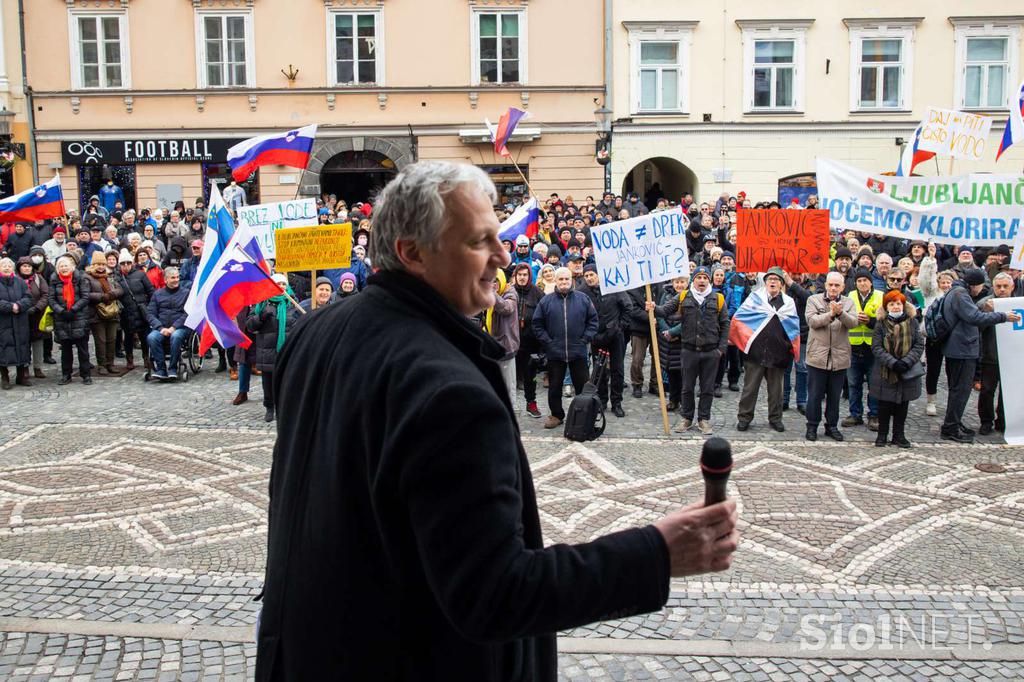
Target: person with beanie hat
[(867, 303), (963, 348), (896, 375), (56, 246), (138, 290), (323, 292), (39, 290)]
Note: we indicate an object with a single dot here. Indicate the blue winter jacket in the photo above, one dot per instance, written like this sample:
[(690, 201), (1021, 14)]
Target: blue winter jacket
[(357, 268), (564, 324)]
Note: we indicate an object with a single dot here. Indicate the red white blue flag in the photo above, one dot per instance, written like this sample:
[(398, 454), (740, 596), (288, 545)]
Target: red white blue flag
[(240, 278), (524, 220), (502, 133), (286, 149), (39, 203), (913, 155), (753, 317), (1014, 131)]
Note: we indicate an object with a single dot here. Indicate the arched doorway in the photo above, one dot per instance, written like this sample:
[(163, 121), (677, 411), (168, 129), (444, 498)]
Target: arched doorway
[(657, 177), (356, 176)]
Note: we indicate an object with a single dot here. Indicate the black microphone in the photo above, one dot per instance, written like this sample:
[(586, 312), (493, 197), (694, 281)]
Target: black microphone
[(715, 465)]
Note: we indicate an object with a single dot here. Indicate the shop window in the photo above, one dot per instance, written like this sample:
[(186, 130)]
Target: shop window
[(221, 174), (92, 177), (512, 191)]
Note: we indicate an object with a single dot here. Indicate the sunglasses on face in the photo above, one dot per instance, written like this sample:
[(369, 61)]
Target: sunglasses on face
[(895, 279)]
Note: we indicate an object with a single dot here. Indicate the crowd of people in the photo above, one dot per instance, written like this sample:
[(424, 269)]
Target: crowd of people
[(889, 314)]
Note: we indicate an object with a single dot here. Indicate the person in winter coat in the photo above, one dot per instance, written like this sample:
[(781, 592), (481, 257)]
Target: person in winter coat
[(703, 337), (138, 290), (18, 243), (347, 286), (896, 374), (615, 312), (268, 324), (15, 306), (528, 296), (564, 323), (39, 290), (502, 322), (145, 263), (934, 286), (357, 268), (990, 416), (104, 312), (800, 287), (166, 316), (830, 317), (69, 301), (963, 348), (323, 293), (177, 253), (189, 269), (244, 359), (670, 347)]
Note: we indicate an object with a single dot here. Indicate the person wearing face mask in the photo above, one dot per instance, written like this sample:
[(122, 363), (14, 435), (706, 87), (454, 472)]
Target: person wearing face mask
[(896, 375), (39, 291), (69, 301), (15, 346), (830, 317)]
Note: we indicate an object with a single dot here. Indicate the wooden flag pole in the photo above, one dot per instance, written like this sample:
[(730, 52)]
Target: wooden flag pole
[(657, 362), (312, 278)]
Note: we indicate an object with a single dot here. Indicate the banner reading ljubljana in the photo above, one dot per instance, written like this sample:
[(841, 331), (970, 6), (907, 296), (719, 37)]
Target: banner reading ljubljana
[(977, 209), (643, 250)]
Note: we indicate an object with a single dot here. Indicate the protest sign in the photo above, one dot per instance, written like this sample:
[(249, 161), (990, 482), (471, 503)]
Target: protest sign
[(314, 248), (955, 133), (643, 250), (1010, 341), (265, 219), (980, 209), (795, 240)]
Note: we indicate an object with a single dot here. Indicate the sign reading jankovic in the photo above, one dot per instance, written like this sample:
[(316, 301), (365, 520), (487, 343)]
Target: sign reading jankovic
[(166, 150)]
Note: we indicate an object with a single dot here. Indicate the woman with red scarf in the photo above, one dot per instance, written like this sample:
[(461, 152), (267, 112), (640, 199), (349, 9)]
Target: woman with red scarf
[(69, 301)]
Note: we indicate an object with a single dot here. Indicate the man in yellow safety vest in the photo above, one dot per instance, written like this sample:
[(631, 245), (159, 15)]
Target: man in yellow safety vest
[(866, 302)]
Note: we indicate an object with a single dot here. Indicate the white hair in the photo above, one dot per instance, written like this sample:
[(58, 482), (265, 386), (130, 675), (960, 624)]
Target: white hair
[(1003, 275), (413, 206), (563, 271), (835, 275)]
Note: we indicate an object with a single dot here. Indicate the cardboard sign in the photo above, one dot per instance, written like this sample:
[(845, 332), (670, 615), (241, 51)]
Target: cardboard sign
[(643, 250), (981, 209), (955, 133), (314, 248), (265, 219), (794, 240)]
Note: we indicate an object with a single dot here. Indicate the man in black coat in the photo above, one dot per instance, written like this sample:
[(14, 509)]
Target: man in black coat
[(404, 539)]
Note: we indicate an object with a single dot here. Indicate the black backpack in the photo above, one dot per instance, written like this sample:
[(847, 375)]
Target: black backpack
[(936, 324), (585, 418)]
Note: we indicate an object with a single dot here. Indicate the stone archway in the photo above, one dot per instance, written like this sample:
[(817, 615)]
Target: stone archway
[(401, 150), (673, 178)]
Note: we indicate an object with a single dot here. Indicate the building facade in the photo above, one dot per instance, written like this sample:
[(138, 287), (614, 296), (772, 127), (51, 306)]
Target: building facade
[(730, 96), (152, 93), (15, 137)]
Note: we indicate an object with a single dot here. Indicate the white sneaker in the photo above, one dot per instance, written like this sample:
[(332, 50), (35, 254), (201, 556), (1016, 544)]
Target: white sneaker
[(930, 410)]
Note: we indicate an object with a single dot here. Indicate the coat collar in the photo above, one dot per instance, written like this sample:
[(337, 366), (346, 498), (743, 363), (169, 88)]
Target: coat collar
[(420, 296)]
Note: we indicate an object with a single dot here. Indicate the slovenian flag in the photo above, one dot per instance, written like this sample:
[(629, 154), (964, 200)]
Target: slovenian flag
[(39, 203), (288, 149), (912, 155), (754, 315), (1014, 131), (502, 133), (219, 230), (524, 220), (240, 278)]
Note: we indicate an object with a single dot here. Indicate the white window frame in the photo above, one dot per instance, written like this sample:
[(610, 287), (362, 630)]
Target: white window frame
[(1009, 32), (75, 47), (903, 32), (524, 43), (753, 31), (680, 32), (332, 46), (250, 47)]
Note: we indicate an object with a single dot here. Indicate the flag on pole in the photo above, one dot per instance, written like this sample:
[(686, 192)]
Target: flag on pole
[(219, 229), (239, 278), (912, 154), (753, 317), (524, 220), (1014, 131), (38, 203), (502, 133), (287, 149)]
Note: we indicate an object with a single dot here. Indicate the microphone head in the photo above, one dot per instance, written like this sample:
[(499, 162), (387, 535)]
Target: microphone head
[(716, 458)]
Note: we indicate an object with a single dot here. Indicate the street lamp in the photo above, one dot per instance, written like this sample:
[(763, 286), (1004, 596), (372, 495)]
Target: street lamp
[(603, 146)]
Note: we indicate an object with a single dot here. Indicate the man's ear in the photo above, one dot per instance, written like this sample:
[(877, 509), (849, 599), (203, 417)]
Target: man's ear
[(411, 256)]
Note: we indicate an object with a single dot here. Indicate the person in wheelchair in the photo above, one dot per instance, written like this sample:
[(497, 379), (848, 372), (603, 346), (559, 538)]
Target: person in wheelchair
[(166, 314)]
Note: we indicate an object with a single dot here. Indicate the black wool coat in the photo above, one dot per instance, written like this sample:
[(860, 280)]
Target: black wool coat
[(15, 349), (404, 539), (70, 323)]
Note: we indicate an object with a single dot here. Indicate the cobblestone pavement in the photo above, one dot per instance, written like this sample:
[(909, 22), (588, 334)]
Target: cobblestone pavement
[(132, 541)]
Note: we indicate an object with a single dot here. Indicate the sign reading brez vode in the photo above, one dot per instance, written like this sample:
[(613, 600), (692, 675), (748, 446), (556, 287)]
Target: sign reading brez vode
[(165, 150)]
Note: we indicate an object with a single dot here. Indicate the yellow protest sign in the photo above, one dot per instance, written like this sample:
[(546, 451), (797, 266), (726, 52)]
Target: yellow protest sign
[(313, 248)]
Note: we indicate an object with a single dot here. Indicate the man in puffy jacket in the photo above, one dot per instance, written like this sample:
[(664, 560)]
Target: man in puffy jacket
[(614, 313), (564, 323), (166, 315), (963, 347)]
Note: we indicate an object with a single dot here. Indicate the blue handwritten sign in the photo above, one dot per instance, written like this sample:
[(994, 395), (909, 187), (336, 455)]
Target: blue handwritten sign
[(644, 250)]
